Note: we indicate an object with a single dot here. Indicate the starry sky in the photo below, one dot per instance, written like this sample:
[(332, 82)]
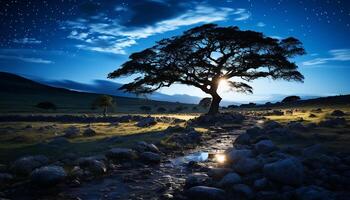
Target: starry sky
[(84, 40)]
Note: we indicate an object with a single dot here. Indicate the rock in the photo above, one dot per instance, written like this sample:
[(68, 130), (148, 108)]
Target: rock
[(246, 165), (264, 146), (254, 132), (144, 146), (96, 167), (243, 139), (235, 154), (146, 122), (197, 179), (218, 173), (333, 122), (243, 191), (71, 132), (205, 193), (282, 133), (89, 132), (268, 195), (58, 141), (288, 171), (338, 113), (230, 179), (313, 193), (5, 178), (312, 115), (150, 157), (48, 175), (269, 125), (25, 165), (121, 154), (296, 126), (313, 151), (261, 184)]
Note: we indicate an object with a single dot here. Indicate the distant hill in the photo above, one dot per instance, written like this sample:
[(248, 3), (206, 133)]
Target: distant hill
[(19, 94)]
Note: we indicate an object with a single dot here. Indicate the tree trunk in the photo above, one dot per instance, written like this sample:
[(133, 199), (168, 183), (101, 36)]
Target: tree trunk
[(105, 111), (214, 106)]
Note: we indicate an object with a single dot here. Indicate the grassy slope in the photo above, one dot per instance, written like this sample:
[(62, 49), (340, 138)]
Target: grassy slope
[(21, 95)]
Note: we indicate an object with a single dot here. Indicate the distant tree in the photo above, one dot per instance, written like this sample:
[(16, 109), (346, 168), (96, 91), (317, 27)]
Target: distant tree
[(291, 99), (205, 102), (232, 106), (161, 109), (249, 105), (268, 103), (205, 55), (103, 101), (145, 108), (194, 108), (46, 105)]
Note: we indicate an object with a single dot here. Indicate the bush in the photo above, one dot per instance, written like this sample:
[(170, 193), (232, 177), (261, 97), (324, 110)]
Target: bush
[(145, 108), (46, 105), (161, 109), (291, 99)]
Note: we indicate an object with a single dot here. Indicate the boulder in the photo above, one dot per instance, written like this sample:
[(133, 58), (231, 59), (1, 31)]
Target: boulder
[(71, 132), (218, 173), (296, 126), (242, 191), (313, 151), (25, 165), (255, 132), (144, 146), (5, 178), (89, 132), (150, 157), (235, 154), (288, 171), (230, 179), (205, 193), (261, 184), (121, 154), (269, 125), (246, 165), (58, 141), (243, 139), (197, 179), (338, 113), (146, 122), (96, 167), (264, 146), (313, 192), (48, 175), (333, 122)]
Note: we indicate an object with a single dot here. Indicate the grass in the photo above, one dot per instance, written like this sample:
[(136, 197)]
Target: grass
[(335, 139), (17, 140)]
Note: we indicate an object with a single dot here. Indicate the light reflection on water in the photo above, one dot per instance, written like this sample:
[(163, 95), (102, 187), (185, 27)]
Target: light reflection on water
[(197, 157)]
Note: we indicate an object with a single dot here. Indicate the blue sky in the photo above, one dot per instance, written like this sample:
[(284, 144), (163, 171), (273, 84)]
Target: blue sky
[(85, 40)]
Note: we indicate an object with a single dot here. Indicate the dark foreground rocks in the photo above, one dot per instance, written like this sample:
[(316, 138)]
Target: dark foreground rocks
[(48, 175)]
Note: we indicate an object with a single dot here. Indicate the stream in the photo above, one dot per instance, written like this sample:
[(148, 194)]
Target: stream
[(153, 182)]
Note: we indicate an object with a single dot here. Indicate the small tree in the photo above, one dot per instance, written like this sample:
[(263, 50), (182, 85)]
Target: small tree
[(291, 99), (205, 102), (104, 102), (46, 105), (146, 109), (161, 109), (205, 55)]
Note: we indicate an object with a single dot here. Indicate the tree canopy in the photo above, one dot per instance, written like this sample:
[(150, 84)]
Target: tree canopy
[(204, 55)]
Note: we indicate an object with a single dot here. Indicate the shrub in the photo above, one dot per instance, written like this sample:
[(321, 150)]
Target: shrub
[(46, 105)]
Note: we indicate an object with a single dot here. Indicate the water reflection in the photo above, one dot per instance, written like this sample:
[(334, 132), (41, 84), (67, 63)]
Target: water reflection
[(197, 157)]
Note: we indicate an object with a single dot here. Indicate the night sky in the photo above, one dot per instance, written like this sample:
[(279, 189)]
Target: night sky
[(85, 40)]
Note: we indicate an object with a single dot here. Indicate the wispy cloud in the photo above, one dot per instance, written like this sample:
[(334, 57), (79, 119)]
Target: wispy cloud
[(108, 35), (27, 41), (334, 55), (260, 24), (26, 59), (243, 14)]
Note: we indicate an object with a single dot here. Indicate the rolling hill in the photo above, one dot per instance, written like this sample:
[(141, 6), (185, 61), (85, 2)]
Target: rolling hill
[(20, 95)]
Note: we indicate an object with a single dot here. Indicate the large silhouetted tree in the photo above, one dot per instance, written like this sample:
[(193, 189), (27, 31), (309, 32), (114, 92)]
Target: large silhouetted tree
[(204, 55)]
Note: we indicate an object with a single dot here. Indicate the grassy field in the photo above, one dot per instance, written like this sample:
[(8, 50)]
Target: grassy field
[(30, 138), (336, 139)]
